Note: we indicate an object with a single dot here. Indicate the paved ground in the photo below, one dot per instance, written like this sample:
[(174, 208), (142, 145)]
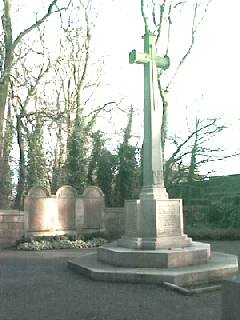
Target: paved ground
[(39, 285)]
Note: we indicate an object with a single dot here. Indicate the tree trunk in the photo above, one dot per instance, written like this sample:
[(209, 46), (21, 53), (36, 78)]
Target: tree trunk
[(3, 98), (21, 180)]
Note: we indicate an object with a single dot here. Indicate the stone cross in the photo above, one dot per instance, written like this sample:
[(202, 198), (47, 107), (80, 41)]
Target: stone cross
[(153, 110)]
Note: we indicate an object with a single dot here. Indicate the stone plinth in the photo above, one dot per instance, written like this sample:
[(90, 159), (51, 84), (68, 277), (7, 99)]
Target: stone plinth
[(154, 224), (231, 298), (155, 249), (197, 254), (219, 266)]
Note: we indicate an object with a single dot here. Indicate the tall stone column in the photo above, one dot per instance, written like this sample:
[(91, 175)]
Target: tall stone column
[(153, 221)]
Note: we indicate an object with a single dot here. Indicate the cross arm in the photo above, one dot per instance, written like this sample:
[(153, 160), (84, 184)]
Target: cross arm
[(142, 58), (136, 57)]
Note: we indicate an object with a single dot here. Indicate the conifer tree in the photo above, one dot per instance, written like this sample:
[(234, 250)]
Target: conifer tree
[(37, 166), (76, 165), (128, 177), (102, 167)]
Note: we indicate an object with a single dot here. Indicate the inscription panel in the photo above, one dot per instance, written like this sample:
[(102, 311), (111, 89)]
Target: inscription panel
[(169, 216), (132, 218)]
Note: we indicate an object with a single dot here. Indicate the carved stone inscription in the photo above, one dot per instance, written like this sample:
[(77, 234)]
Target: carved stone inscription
[(132, 217), (168, 218)]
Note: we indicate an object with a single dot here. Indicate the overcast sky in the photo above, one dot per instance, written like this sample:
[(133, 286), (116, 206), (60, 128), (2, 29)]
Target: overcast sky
[(207, 85)]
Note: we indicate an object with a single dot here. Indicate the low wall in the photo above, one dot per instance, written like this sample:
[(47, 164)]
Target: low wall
[(11, 226), (12, 223)]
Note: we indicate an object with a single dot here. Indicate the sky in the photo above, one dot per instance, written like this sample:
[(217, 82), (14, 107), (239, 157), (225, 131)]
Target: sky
[(206, 86), (208, 83)]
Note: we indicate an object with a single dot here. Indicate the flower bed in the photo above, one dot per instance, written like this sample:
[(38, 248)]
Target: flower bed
[(37, 245)]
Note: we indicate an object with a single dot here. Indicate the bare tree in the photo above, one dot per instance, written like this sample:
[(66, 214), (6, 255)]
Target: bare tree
[(159, 17), (9, 45), (24, 121), (196, 150)]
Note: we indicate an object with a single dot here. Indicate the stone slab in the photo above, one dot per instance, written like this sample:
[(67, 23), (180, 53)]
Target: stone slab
[(231, 298), (219, 266), (198, 253)]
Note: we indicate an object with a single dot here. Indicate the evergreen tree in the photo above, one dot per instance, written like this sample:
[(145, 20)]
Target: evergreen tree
[(129, 171), (37, 166), (76, 166), (102, 167), (97, 146)]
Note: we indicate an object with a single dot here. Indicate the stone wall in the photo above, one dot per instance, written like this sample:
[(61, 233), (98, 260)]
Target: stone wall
[(63, 213), (11, 226)]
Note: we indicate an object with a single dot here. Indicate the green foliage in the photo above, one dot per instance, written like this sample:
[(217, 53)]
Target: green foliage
[(129, 171), (57, 177), (37, 166), (127, 181), (106, 174), (77, 162), (97, 149), (102, 167), (213, 233)]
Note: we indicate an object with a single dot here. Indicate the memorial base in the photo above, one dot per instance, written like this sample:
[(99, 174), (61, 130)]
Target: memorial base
[(155, 243), (196, 254), (154, 223), (155, 249), (218, 267)]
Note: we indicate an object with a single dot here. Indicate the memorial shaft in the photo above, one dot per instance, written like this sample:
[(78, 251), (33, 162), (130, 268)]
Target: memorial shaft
[(153, 110)]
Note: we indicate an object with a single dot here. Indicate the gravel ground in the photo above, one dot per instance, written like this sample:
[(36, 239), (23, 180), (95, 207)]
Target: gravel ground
[(39, 285)]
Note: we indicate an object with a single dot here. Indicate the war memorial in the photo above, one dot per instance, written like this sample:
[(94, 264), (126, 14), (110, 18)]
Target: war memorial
[(154, 248)]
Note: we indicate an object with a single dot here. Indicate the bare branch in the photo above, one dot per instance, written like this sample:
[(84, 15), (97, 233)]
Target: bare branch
[(99, 109), (189, 49), (38, 22), (162, 8), (86, 44), (169, 28), (197, 131), (179, 4), (194, 30), (154, 14), (145, 19)]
